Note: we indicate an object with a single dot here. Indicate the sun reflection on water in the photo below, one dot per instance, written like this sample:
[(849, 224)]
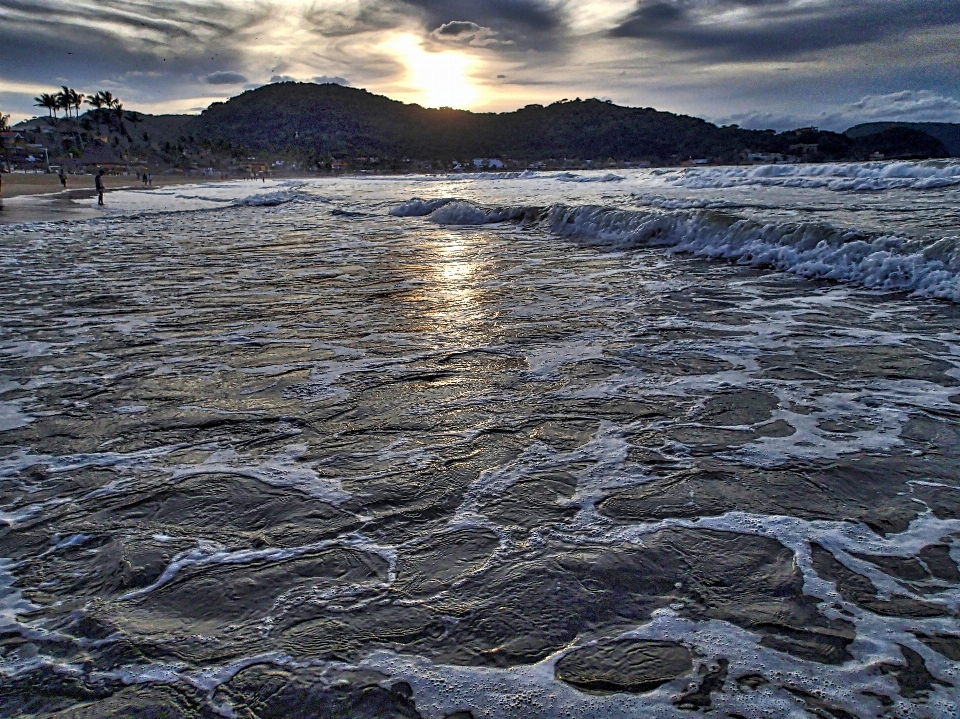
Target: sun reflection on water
[(456, 297)]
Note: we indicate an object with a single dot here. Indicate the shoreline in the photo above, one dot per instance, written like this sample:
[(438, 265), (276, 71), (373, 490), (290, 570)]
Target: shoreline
[(40, 198), (45, 185)]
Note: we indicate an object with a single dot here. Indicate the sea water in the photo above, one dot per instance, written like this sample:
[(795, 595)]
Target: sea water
[(608, 444)]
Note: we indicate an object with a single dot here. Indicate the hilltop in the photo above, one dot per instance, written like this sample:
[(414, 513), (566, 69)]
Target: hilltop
[(305, 126), (947, 132), (336, 121)]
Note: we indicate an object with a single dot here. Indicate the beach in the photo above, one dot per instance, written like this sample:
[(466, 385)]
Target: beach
[(38, 197), (585, 444)]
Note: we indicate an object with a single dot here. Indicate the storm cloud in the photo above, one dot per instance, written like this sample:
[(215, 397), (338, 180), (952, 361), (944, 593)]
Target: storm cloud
[(802, 60), (226, 78), (747, 30)]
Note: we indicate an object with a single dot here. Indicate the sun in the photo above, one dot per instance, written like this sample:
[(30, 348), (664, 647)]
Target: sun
[(442, 79)]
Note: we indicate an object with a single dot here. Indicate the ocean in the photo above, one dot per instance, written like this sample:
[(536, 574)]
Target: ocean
[(600, 444)]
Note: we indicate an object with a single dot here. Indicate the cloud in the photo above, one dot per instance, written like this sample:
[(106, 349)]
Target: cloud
[(903, 106), (526, 23), (464, 32), (369, 16), (748, 30), (908, 105), (535, 15), (282, 78), (225, 78), (328, 80), (458, 28)]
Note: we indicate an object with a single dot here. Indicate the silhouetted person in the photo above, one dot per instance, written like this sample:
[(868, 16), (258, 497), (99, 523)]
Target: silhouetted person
[(100, 188), (63, 179)]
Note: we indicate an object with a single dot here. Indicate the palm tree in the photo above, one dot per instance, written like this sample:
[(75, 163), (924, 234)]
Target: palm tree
[(108, 99), (4, 122), (48, 102), (76, 99), (63, 100), (97, 102)]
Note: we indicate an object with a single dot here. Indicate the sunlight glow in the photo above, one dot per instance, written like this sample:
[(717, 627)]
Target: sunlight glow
[(442, 78)]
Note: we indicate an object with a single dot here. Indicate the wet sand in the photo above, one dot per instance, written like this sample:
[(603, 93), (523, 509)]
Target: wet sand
[(39, 198), (309, 459), (18, 185)]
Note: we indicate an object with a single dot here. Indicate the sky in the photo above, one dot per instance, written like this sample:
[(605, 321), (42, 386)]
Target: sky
[(757, 63)]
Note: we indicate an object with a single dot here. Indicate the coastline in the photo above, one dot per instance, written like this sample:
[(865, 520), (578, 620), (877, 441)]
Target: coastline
[(39, 198), (32, 185)]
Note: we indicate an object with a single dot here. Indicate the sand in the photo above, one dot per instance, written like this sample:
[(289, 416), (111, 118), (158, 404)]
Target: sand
[(40, 198), (19, 184)]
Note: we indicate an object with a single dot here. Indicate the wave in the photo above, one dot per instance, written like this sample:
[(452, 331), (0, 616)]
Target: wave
[(269, 199), (460, 212), (418, 208), (524, 175), (572, 177), (815, 250), (841, 177)]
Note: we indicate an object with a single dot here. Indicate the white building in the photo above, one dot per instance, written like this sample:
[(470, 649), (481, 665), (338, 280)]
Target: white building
[(491, 162)]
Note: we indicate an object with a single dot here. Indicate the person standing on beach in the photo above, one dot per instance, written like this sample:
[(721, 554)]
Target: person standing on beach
[(63, 179), (99, 184)]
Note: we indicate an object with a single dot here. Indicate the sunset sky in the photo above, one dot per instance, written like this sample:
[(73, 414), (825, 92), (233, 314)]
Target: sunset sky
[(759, 63)]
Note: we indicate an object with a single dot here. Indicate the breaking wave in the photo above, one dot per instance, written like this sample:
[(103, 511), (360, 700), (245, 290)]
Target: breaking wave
[(269, 199), (815, 250), (573, 177), (418, 208), (842, 177)]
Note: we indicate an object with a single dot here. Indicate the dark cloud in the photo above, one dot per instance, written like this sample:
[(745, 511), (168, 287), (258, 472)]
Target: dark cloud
[(903, 106), (522, 23), (226, 78), (458, 27), (779, 28), (464, 32), (370, 17), (328, 80), (109, 39), (525, 15)]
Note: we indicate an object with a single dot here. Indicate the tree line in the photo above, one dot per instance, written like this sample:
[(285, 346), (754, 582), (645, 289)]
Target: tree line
[(104, 103)]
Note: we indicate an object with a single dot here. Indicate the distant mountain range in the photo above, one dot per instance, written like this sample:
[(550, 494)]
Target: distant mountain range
[(339, 121), (318, 124)]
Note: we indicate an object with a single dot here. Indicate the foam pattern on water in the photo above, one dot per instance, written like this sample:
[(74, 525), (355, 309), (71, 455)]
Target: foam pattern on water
[(326, 438)]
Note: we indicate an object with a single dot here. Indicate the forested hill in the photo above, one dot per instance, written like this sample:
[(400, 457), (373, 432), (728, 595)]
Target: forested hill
[(342, 121), (947, 132), (336, 121)]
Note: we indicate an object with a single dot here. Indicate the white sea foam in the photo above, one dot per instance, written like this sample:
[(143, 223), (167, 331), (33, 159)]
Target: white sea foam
[(815, 250), (418, 208), (286, 469), (573, 177), (849, 177), (466, 213), (12, 416), (269, 199)]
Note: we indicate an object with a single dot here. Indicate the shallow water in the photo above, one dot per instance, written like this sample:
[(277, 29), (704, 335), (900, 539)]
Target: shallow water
[(543, 448)]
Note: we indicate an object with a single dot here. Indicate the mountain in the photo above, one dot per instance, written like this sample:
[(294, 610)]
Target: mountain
[(308, 126), (341, 122), (947, 132)]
